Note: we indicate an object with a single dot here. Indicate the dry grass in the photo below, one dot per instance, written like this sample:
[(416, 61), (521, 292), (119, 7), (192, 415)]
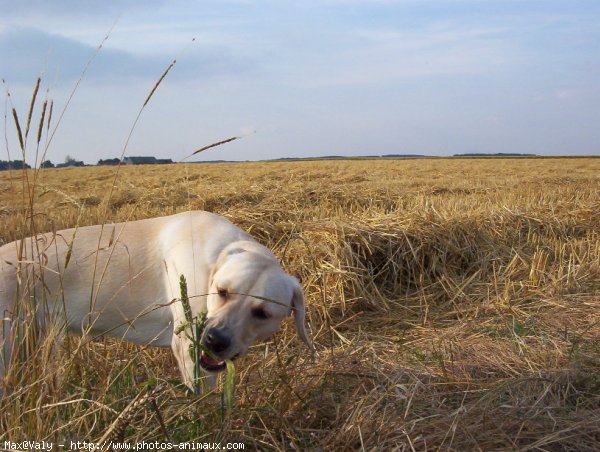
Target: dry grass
[(454, 303)]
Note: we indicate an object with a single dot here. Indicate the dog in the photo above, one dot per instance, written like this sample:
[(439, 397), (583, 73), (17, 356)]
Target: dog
[(123, 280)]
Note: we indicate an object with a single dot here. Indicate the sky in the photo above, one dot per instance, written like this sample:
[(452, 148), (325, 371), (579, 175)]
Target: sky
[(305, 78)]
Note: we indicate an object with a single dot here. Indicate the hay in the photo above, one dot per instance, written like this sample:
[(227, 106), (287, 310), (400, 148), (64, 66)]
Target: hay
[(454, 304)]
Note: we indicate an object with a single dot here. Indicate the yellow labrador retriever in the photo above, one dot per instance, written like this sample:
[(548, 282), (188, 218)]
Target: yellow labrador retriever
[(123, 280)]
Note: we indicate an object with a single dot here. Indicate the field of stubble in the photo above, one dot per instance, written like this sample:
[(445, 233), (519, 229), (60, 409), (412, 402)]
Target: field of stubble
[(454, 303)]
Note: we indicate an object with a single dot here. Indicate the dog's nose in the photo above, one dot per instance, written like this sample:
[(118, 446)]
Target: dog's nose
[(216, 340)]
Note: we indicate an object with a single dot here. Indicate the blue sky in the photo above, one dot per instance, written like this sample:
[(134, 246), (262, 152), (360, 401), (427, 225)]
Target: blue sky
[(345, 77)]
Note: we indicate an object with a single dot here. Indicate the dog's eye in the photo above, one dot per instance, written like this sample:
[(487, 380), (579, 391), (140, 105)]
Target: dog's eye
[(223, 293), (259, 313)]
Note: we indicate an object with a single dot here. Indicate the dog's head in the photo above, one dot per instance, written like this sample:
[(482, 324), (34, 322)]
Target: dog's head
[(249, 296)]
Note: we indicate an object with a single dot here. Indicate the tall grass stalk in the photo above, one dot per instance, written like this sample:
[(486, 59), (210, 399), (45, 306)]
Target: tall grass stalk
[(195, 325)]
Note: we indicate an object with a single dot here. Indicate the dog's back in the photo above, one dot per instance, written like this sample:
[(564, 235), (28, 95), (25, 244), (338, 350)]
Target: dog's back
[(85, 270), (8, 278), (110, 274)]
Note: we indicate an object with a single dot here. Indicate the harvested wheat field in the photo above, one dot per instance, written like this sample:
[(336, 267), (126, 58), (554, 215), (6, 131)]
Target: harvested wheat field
[(454, 303)]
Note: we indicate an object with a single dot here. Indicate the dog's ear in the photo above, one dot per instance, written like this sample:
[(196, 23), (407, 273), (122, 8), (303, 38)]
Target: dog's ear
[(299, 311), (221, 260)]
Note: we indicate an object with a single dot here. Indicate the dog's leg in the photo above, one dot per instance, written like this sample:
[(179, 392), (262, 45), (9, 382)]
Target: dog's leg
[(211, 380), (5, 348), (182, 349)]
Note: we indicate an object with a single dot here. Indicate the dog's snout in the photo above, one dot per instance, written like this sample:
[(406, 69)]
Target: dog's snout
[(216, 340)]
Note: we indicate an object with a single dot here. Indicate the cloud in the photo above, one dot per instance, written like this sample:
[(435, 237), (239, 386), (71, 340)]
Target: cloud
[(27, 52), (567, 94), (32, 52), (73, 8)]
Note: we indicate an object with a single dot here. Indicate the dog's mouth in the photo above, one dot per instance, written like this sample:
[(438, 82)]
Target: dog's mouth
[(211, 364)]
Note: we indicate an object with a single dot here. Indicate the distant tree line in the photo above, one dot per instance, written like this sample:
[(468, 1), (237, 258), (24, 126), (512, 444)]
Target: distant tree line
[(497, 154), (72, 162), (13, 164), (110, 162)]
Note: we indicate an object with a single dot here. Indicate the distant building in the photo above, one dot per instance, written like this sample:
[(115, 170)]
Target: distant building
[(145, 161), (139, 160)]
